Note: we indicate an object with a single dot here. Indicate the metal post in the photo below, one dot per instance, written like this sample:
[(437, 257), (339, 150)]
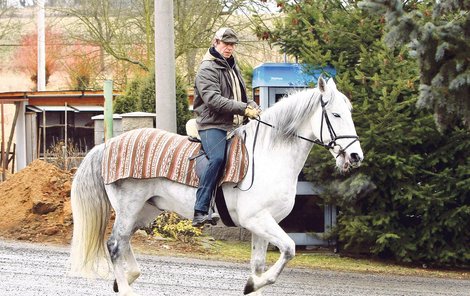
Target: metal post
[(108, 109)]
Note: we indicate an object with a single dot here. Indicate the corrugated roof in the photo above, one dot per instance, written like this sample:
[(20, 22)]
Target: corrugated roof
[(287, 75)]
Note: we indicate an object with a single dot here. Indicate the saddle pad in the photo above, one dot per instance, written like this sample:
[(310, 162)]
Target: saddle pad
[(153, 153)]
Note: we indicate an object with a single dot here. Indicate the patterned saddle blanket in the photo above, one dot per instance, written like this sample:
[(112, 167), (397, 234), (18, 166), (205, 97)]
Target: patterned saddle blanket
[(153, 153)]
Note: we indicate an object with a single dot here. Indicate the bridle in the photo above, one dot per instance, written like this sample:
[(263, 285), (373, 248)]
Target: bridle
[(330, 146)]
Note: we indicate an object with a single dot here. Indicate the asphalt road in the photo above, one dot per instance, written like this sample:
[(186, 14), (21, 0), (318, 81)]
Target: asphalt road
[(27, 269)]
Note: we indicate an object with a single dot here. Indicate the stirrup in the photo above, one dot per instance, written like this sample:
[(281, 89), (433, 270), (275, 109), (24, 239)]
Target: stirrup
[(213, 217)]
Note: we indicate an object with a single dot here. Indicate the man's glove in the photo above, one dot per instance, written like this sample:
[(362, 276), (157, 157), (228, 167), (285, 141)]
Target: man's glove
[(251, 112)]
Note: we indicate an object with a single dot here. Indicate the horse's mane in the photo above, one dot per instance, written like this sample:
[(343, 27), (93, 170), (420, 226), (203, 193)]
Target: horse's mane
[(286, 116)]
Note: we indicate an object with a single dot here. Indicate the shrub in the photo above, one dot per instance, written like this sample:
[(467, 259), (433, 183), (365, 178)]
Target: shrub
[(170, 224), (64, 159)]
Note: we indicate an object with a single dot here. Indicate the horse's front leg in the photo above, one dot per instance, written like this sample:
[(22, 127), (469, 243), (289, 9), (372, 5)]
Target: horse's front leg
[(259, 247), (264, 226)]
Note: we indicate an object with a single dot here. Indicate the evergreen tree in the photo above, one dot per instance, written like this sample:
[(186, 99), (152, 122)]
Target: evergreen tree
[(127, 102), (439, 34), (411, 198)]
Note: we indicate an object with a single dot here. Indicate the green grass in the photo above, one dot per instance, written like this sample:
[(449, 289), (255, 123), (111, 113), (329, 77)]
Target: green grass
[(240, 252), (331, 261)]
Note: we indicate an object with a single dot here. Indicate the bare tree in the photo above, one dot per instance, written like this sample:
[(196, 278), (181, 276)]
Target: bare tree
[(125, 29), (195, 24), (118, 27), (8, 22)]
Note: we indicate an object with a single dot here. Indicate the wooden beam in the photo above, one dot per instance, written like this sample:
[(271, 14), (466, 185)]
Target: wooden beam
[(60, 101), (56, 98)]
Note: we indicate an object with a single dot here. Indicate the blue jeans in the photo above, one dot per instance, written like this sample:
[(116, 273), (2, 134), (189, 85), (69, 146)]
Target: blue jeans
[(214, 142)]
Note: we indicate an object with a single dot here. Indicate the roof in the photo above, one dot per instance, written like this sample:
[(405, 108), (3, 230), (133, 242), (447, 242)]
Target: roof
[(63, 108), (56, 98), (287, 75), (138, 114), (49, 108), (101, 117)]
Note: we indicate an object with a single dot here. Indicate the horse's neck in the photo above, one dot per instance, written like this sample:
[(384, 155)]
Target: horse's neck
[(290, 154)]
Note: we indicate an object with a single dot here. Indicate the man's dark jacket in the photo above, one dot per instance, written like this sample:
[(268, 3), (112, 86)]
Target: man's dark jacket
[(214, 101)]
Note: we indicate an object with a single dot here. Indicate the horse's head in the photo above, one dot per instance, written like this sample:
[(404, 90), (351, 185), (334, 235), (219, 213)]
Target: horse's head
[(333, 126)]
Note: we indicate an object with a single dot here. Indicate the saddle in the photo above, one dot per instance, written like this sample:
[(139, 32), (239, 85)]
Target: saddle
[(153, 153)]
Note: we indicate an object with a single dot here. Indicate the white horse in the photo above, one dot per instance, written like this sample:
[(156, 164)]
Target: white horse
[(284, 135)]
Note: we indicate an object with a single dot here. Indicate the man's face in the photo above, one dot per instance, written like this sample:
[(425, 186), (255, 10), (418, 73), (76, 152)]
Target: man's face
[(225, 49)]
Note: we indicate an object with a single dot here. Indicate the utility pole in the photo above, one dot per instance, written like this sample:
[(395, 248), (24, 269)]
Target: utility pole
[(108, 109), (165, 74), (41, 75)]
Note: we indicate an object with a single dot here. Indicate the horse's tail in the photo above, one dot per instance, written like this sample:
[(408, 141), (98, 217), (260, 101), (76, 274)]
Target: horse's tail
[(91, 212)]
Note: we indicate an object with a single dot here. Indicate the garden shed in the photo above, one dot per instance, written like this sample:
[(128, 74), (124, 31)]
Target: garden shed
[(46, 117)]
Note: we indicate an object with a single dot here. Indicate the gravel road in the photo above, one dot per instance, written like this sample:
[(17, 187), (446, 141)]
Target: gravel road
[(31, 269)]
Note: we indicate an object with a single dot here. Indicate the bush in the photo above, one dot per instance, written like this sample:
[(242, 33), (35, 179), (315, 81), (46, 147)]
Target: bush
[(62, 159), (169, 224)]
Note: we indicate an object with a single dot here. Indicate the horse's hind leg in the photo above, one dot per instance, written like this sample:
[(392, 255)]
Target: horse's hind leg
[(119, 249), (133, 271), (266, 228), (128, 209), (119, 244)]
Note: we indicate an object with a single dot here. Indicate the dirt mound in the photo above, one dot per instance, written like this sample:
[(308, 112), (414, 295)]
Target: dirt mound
[(35, 204)]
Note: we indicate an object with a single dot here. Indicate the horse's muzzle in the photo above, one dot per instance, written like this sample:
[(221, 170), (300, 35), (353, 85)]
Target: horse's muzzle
[(355, 158)]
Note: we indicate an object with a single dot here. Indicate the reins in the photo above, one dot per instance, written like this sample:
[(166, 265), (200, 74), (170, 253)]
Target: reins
[(320, 142)]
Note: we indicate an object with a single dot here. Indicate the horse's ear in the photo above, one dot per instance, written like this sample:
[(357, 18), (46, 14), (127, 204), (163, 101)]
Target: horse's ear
[(331, 83), (321, 84)]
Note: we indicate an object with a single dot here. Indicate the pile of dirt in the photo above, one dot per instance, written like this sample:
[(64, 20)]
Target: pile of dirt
[(35, 207), (35, 204)]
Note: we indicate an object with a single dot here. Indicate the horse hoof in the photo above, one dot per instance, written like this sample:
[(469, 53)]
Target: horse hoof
[(249, 287), (115, 287)]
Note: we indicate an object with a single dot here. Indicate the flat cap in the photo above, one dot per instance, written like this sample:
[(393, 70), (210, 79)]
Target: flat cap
[(226, 35)]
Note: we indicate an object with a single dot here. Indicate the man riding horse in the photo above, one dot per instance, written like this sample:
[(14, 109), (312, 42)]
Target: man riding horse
[(220, 104)]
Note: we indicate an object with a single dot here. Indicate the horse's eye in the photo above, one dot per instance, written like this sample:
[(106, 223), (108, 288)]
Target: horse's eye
[(336, 115)]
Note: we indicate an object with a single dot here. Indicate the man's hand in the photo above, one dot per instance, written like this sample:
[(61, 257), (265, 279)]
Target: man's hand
[(251, 112), (253, 104)]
